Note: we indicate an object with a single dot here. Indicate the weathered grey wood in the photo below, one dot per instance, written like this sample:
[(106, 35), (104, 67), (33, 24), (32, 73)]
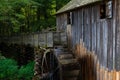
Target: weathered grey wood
[(63, 38), (49, 39), (114, 32), (98, 35), (62, 22), (105, 42), (42, 39), (35, 39), (117, 56), (69, 36), (56, 39), (94, 37)]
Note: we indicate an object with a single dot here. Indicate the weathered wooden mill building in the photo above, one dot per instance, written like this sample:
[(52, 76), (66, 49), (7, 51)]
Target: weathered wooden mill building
[(95, 23)]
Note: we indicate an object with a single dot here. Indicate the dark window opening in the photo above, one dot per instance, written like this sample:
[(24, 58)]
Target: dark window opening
[(69, 17), (102, 11)]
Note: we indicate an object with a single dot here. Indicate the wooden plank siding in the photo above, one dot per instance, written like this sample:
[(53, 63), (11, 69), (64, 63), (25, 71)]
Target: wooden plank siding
[(117, 55), (97, 33), (61, 22), (101, 36)]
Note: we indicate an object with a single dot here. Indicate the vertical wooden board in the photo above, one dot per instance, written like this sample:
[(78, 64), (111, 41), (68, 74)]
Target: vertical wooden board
[(61, 22), (35, 40), (49, 39), (85, 32), (79, 30), (72, 31), (105, 76), (97, 14), (77, 35), (91, 26), (101, 43), (82, 18), (105, 41), (117, 76), (98, 40), (94, 37), (114, 31), (56, 38), (88, 24), (83, 25), (117, 61), (110, 46), (69, 36), (63, 38), (72, 35), (117, 55), (92, 15), (76, 27), (79, 24), (42, 39), (88, 36), (86, 29), (65, 22)]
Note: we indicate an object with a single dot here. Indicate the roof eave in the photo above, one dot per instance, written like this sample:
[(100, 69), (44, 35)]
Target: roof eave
[(60, 12)]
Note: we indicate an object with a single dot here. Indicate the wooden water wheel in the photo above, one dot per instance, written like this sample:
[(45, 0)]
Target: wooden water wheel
[(50, 67), (58, 64)]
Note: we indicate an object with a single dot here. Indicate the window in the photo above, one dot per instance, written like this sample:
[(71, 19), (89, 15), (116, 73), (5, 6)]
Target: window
[(69, 17), (102, 11), (106, 10)]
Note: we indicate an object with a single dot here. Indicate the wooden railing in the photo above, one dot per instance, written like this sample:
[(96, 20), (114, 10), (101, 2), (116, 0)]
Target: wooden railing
[(43, 39)]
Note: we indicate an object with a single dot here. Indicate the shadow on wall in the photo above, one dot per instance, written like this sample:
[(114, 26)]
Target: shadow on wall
[(87, 63), (87, 68), (90, 68)]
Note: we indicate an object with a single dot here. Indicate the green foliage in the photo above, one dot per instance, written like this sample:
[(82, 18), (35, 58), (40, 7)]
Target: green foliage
[(26, 72), (9, 70), (61, 3), (25, 16), (1, 57)]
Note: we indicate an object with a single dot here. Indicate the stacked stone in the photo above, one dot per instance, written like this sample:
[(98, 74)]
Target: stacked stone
[(38, 63)]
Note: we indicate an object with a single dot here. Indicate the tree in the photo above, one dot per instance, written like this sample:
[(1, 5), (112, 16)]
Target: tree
[(15, 16), (25, 16), (61, 3)]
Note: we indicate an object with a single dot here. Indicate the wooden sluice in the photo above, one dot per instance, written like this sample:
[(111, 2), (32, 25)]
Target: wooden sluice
[(82, 65), (69, 67)]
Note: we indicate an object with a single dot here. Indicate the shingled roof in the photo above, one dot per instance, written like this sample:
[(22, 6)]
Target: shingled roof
[(75, 4)]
